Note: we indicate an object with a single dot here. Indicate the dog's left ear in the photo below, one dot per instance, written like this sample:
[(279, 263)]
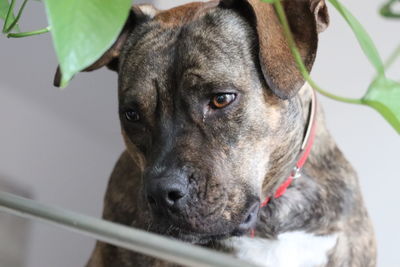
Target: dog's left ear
[(138, 14), (307, 18)]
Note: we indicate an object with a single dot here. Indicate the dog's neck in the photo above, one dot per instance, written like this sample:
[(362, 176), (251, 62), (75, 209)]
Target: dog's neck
[(294, 208), (323, 140), (287, 143), (305, 150)]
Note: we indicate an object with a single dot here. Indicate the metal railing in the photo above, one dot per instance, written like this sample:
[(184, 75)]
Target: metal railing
[(125, 237)]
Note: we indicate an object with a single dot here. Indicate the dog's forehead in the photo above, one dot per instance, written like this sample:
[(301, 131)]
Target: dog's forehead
[(210, 43), (184, 14)]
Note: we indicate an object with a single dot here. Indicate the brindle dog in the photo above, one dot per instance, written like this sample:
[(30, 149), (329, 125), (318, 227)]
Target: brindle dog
[(213, 113)]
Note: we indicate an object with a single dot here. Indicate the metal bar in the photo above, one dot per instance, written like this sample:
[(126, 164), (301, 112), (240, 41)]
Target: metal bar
[(119, 235)]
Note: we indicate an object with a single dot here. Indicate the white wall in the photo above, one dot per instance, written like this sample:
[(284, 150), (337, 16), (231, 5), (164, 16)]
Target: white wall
[(61, 144)]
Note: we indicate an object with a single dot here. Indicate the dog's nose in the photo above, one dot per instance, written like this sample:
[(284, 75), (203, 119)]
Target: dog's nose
[(249, 220), (168, 192)]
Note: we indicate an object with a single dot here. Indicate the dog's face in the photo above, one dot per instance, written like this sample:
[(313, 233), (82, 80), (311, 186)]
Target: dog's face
[(192, 109), (207, 109)]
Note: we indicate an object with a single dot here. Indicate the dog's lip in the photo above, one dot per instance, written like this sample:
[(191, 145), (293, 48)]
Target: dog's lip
[(180, 232), (194, 237)]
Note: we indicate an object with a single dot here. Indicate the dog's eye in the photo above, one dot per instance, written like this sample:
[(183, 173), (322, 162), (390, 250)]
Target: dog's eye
[(219, 101), (132, 115)]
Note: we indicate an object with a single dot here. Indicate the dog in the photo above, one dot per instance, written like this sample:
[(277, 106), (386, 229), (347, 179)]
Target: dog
[(226, 146)]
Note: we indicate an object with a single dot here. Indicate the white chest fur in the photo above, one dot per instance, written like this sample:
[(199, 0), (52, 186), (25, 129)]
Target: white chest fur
[(292, 249)]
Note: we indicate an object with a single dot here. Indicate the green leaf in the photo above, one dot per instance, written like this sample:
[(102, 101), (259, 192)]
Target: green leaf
[(4, 7), (269, 1), (83, 30), (365, 41), (387, 10), (384, 96)]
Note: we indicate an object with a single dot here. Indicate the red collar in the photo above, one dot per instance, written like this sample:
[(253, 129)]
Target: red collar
[(304, 152)]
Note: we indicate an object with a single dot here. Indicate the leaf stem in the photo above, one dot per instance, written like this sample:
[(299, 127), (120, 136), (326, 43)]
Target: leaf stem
[(363, 38), (9, 12), (292, 44), (11, 27), (26, 34), (392, 58)]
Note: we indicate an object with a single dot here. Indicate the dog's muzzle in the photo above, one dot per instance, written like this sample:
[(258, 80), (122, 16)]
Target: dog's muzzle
[(176, 204)]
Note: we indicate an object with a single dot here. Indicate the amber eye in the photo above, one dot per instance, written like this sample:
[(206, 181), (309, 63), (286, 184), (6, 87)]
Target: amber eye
[(132, 115), (222, 100)]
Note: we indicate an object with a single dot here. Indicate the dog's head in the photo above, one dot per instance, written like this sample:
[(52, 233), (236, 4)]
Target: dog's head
[(208, 107)]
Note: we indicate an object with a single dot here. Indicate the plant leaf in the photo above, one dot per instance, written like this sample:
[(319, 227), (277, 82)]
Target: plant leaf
[(83, 30), (4, 7), (365, 41), (384, 96), (387, 10)]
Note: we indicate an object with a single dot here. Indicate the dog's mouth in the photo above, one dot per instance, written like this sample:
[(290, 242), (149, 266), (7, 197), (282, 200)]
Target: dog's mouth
[(202, 230), (180, 231), (225, 230), (195, 238)]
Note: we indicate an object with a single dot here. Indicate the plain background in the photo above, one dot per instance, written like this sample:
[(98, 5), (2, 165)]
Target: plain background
[(61, 145)]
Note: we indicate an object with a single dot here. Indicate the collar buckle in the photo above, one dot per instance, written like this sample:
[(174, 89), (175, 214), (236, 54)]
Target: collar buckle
[(296, 173)]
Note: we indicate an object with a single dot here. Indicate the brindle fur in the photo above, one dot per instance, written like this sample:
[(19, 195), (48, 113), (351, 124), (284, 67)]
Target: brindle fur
[(170, 64)]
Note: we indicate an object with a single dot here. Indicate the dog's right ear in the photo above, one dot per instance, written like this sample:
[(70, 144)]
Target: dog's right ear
[(307, 18), (138, 14)]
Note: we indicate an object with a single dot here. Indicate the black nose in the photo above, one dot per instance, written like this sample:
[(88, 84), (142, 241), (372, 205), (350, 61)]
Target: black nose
[(249, 220), (168, 191)]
